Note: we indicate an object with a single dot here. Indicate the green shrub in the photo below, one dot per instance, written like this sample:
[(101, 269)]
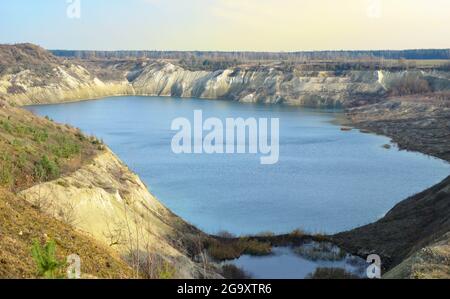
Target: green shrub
[(6, 170), (166, 271), (6, 175), (65, 147), (6, 126), (21, 159), (48, 266), (40, 135), (46, 169), (38, 150)]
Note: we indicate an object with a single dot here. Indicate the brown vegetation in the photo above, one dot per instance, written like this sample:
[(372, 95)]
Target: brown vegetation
[(226, 246), (234, 248), (21, 224), (410, 84), (14, 59), (331, 273)]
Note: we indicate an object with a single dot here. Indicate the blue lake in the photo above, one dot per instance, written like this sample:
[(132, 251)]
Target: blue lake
[(326, 180)]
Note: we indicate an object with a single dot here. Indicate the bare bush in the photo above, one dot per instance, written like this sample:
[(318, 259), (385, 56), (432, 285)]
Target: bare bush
[(410, 84), (152, 265), (201, 255), (114, 232), (67, 212), (41, 200)]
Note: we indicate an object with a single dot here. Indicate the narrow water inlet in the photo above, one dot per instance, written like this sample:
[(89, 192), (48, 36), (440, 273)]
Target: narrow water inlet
[(302, 262)]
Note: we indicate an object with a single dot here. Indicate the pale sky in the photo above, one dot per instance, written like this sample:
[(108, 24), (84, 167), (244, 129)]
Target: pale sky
[(253, 25)]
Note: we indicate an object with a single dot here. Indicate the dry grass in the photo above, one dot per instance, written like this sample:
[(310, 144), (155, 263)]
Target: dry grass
[(228, 249), (410, 84), (21, 224), (16, 58), (331, 273)]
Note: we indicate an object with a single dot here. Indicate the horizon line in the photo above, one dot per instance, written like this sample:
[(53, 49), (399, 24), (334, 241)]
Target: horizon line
[(255, 51), (232, 51)]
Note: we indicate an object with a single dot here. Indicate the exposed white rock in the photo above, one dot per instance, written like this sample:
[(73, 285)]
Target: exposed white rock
[(246, 84), (110, 203)]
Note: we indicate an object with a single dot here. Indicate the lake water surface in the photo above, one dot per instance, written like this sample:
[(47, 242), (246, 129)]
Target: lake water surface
[(326, 180), (284, 263)]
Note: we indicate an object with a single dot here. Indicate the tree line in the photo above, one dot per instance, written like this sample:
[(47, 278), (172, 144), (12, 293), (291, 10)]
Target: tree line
[(418, 54)]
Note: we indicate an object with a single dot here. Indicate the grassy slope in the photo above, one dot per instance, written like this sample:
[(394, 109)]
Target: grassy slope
[(26, 56), (431, 262), (21, 224), (24, 142), (34, 149)]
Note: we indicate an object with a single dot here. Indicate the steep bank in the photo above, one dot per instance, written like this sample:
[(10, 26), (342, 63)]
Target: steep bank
[(24, 79), (33, 150), (413, 238), (59, 183), (21, 224), (270, 84), (417, 123), (278, 83), (31, 75), (110, 203), (430, 262)]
